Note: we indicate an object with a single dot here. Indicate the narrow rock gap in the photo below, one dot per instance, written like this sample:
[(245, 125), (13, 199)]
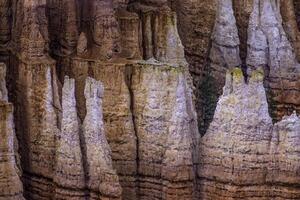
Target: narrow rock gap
[(128, 77)]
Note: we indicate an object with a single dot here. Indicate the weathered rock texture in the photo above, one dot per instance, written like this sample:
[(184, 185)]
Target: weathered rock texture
[(153, 143), (243, 155), (135, 154), (5, 27), (197, 30), (11, 187), (270, 49), (83, 158), (150, 56), (224, 54), (55, 155), (102, 181), (69, 168)]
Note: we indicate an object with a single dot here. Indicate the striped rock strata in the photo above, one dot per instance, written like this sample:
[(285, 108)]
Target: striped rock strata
[(243, 155), (11, 187)]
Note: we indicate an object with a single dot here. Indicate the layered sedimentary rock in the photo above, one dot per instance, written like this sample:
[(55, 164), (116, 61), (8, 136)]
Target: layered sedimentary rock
[(64, 23), (243, 155), (102, 29), (36, 97), (160, 39), (224, 54), (148, 131), (134, 153), (11, 187), (167, 132), (52, 152), (5, 27), (129, 24), (270, 49), (287, 10), (102, 181), (83, 158), (69, 168), (153, 143)]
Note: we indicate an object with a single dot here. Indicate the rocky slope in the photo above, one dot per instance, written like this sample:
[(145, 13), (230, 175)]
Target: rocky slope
[(109, 97)]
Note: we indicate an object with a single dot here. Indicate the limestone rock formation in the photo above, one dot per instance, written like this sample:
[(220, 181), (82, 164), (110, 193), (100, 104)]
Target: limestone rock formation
[(167, 133), (124, 121), (160, 38), (11, 187), (103, 28), (104, 90), (36, 98), (63, 26), (224, 54), (83, 158), (148, 167), (270, 49), (243, 154), (69, 168), (100, 176)]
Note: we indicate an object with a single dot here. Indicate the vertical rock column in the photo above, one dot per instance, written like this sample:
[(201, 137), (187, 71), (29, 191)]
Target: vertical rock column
[(5, 29), (37, 102), (64, 28), (243, 155), (224, 54), (69, 168), (270, 49), (234, 151), (11, 187), (103, 32), (160, 38), (102, 180), (166, 128)]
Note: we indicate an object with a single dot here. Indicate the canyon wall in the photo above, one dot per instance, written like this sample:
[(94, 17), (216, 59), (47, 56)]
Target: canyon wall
[(243, 155), (149, 99), (10, 173)]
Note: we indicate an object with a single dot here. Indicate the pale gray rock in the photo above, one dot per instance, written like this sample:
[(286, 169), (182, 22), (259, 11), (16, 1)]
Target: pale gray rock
[(243, 155), (103, 181), (267, 41), (269, 48), (69, 171)]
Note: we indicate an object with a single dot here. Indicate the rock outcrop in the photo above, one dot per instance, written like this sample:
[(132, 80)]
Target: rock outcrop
[(243, 155), (148, 168), (11, 187), (83, 158), (224, 54), (270, 49), (102, 181), (153, 143), (36, 98), (5, 27), (103, 99), (69, 168)]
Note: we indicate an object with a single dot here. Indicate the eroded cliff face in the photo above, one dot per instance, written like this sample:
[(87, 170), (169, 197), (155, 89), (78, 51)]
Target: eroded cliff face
[(243, 154), (110, 96), (10, 174)]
